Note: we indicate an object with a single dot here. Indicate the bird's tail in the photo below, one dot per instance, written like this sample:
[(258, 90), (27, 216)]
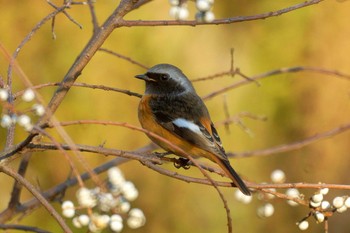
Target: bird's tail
[(225, 165)]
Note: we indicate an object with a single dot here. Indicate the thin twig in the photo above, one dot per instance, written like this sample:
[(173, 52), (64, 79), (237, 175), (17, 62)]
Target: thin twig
[(292, 146), (17, 187), (277, 72), (93, 16), (86, 85), (36, 193), (133, 23), (22, 228), (132, 61)]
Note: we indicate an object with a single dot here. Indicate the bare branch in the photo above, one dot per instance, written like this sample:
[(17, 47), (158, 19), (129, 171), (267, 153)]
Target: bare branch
[(237, 19), (36, 193), (22, 228), (272, 73), (294, 145), (125, 58)]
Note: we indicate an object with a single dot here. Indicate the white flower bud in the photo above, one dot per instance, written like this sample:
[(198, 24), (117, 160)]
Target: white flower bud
[(129, 191), (116, 218), (278, 176), (67, 205), (318, 197), (319, 217), (23, 120), (124, 206), (242, 198), (93, 228), (28, 95), (324, 191), (183, 13), (203, 5), (86, 198), (106, 201), (342, 209), (84, 219), (115, 176), (6, 121), (101, 221), (38, 109), (68, 210), (116, 226), (325, 205), (76, 222), (347, 202), (116, 223), (174, 12), (4, 95), (136, 218), (338, 202), (266, 210), (314, 204), (293, 193), (209, 17), (303, 225), (174, 2)]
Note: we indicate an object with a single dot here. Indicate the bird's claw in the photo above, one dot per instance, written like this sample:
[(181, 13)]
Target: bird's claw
[(182, 163)]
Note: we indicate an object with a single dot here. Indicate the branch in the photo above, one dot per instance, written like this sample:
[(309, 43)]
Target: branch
[(22, 228), (294, 145), (85, 56), (7, 170), (272, 73), (238, 19)]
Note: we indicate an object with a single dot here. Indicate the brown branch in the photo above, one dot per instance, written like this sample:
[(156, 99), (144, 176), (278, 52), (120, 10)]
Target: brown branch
[(54, 192), (132, 61), (85, 56), (272, 73), (22, 228), (17, 187), (85, 85), (93, 16), (294, 145), (36, 193), (238, 19)]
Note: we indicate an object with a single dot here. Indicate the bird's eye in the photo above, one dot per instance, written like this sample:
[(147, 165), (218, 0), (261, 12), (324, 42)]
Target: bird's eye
[(164, 77)]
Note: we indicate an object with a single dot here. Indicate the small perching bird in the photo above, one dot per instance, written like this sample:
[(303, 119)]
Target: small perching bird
[(171, 108)]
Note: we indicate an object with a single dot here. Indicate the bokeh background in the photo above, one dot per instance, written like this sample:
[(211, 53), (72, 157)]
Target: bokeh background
[(297, 105)]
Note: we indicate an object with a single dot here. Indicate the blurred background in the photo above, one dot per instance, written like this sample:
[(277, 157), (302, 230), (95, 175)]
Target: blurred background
[(297, 105)]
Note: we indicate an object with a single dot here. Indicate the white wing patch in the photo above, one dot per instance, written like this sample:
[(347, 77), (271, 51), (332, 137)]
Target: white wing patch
[(183, 123)]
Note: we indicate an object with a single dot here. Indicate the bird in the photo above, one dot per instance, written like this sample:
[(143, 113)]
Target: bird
[(171, 109)]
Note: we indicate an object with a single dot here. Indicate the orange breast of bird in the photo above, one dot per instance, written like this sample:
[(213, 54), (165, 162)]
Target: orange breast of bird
[(148, 122)]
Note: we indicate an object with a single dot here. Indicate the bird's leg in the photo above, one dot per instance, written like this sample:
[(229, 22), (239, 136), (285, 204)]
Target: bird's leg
[(182, 163)]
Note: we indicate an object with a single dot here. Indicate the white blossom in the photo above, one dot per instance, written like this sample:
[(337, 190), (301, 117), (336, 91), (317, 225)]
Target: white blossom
[(338, 202), (266, 210), (129, 191), (6, 121), (38, 109), (303, 225), (136, 218), (68, 210), (86, 198), (278, 176), (4, 95), (28, 95)]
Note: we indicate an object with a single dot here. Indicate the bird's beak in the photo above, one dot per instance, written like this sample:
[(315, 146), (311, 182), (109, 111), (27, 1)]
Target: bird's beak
[(144, 77)]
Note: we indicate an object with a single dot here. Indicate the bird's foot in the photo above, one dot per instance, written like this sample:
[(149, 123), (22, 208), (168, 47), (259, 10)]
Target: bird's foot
[(182, 163)]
